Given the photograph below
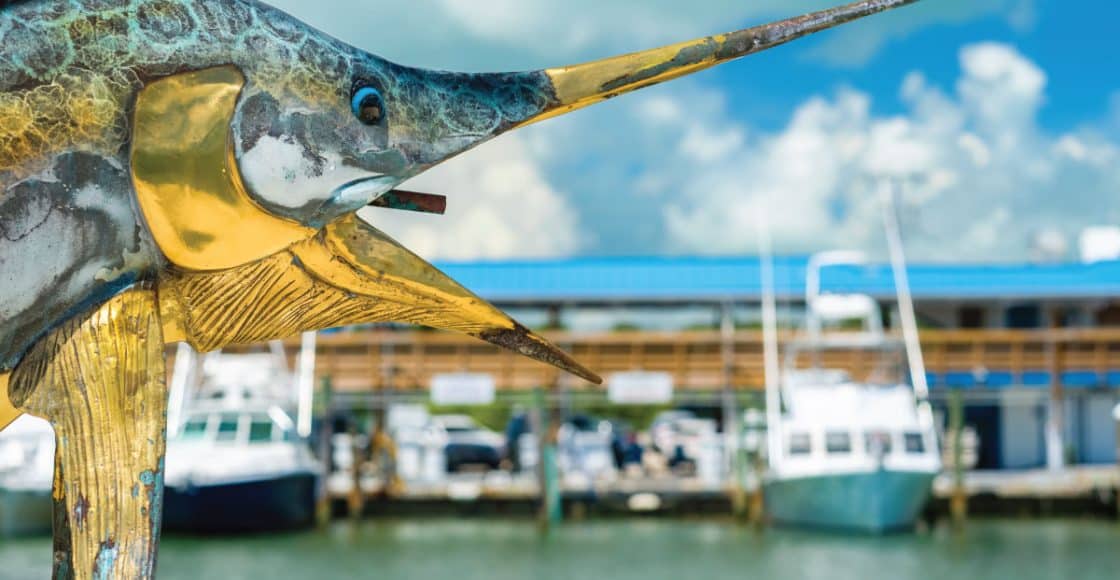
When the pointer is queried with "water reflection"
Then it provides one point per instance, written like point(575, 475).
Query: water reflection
point(627, 550)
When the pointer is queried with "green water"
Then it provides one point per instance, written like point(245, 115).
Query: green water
point(628, 549)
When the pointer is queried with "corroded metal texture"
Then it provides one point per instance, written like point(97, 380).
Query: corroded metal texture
point(99, 379)
point(412, 201)
point(317, 130)
point(69, 239)
point(213, 153)
point(586, 84)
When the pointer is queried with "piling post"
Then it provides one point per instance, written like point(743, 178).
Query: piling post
point(958, 500)
point(323, 509)
point(356, 500)
point(551, 509)
point(1055, 445)
point(731, 431)
point(1116, 492)
point(756, 509)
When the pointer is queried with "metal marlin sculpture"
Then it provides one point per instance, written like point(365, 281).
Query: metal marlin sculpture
point(189, 170)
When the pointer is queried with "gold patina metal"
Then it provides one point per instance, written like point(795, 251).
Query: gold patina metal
point(99, 379)
point(355, 257)
point(586, 84)
point(351, 273)
point(187, 180)
point(8, 411)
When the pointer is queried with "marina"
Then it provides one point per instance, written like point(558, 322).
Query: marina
point(742, 326)
point(461, 421)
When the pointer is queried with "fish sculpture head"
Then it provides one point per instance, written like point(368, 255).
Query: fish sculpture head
point(344, 127)
point(225, 148)
point(317, 155)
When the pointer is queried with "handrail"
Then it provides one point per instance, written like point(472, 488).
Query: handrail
point(406, 360)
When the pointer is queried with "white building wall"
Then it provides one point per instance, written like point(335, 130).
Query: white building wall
point(1096, 439)
point(1022, 425)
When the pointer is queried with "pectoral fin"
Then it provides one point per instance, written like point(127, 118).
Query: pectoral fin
point(187, 182)
point(8, 411)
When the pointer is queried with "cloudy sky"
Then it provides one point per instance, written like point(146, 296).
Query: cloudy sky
point(1002, 117)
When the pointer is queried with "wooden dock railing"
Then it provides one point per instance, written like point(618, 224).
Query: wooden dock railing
point(404, 361)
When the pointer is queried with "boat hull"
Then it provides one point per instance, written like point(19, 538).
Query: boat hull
point(265, 505)
point(25, 512)
point(871, 502)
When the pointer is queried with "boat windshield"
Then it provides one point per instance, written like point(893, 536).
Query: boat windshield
point(238, 427)
point(260, 430)
point(195, 429)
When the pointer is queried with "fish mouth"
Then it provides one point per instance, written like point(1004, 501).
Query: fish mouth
point(352, 196)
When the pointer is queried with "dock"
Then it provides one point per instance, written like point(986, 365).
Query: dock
point(1078, 491)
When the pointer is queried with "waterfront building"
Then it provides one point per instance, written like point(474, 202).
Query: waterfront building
point(1034, 348)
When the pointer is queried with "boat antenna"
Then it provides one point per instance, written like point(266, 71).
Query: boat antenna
point(772, 368)
point(888, 189)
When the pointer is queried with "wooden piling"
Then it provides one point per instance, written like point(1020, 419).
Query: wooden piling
point(958, 501)
point(356, 502)
point(551, 512)
point(323, 508)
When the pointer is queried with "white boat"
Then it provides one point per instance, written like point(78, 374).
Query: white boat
point(26, 477)
point(854, 455)
point(843, 453)
point(235, 463)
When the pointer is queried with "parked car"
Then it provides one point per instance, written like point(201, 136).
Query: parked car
point(585, 446)
point(663, 431)
point(470, 446)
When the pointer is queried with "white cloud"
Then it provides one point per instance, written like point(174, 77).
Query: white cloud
point(985, 176)
point(674, 170)
point(499, 206)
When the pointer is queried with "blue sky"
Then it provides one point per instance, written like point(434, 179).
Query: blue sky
point(1003, 116)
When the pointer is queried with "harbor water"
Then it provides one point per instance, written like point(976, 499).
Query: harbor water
point(626, 549)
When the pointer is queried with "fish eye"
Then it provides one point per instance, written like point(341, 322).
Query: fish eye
point(368, 106)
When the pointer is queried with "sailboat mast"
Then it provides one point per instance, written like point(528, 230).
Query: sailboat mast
point(180, 385)
point(770, 342)
point(887, 191)
point(305, 384)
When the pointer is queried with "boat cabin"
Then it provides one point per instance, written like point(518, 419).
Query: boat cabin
point(238, 427)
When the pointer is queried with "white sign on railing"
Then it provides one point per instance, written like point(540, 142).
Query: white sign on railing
point(463, 389)
point(640, 388)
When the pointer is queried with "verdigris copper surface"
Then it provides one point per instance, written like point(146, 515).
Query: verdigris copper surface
point(189, 170)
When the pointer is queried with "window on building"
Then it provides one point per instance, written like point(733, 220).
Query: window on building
point(915, 443)
point(1024, 316)
point(1109, 315)
point(971, 317)
point(838, 442)
point(800, 444)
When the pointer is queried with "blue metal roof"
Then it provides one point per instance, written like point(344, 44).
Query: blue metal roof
point(704, 279)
